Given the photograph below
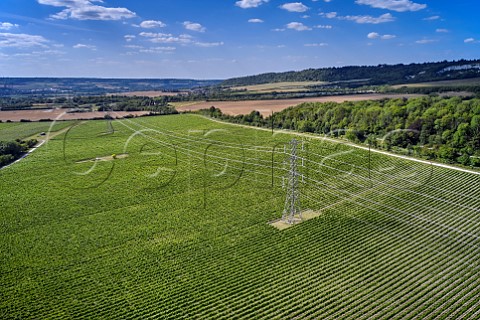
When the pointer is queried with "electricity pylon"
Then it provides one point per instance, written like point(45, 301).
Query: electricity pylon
point(291, 212)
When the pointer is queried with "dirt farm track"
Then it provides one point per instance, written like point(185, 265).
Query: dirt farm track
point(265, 107)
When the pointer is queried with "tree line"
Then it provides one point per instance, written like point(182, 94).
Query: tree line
point(13, 150)
point(443, 129)
point(102, 103)
point(372, 75)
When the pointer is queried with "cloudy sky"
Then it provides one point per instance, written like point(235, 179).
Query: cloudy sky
point(214, 39)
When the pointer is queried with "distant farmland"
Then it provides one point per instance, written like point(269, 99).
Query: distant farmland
point(445, 83)
point(280, 87)
point(266, 107)
point(61, 114)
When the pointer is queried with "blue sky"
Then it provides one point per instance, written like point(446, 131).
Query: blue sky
point(226, 38)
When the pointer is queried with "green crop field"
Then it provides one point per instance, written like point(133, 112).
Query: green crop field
point(177, 228)
point(444, 83)
point(280, 87)
point(22, 130)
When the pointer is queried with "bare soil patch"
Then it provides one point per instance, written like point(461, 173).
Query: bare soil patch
point(106, 158)
point(61, 114)
point(306, 215)
point(266, 107)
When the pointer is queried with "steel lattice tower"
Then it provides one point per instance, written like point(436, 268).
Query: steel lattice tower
point(291, 212)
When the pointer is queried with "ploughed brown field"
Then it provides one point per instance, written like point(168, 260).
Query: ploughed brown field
point(60, 114)
point(265, 107)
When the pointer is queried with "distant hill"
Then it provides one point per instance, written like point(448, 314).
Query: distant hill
point(92, 86)
point(370, 75)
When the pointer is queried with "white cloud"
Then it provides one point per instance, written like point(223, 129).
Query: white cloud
point(442, 30)
point(130, 46)
point(153, 35)
point(208, 44)
point(387, 17)
point(52, 52)
point(86, 10)
point(245, 4)
point(84, 46)
point(129, 37)
point(432, 18)
point(297, 26)
point(158, 50)
point(192, 26)
point(150, 24)
point(278, 29)
point(255, 21)
point(65, 3)
point(394, 5)
point(294, 7)
point(7, 25)
point(425, 41)
point(329, 15)
point(469, 40)
point(21, 40)
point(183, 39)
point(375, 35)
point(316, 44)
point(388, 36)
point(320, 26)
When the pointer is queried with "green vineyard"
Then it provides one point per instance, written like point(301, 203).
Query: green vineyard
point(168, 218)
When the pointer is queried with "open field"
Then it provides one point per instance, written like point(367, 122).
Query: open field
point(183, 104)
point(446, 83)
point(266, 107)
point(24, 130)
point(279, 87)
point(61, 114)
point(179, 228)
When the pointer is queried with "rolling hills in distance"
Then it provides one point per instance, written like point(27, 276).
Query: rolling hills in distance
point(382, 74)
point(93, 86)
point(309, 80)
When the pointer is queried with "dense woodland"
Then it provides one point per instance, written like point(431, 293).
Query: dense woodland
point(371, 75)
point(13, 150)
point(445, 129)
